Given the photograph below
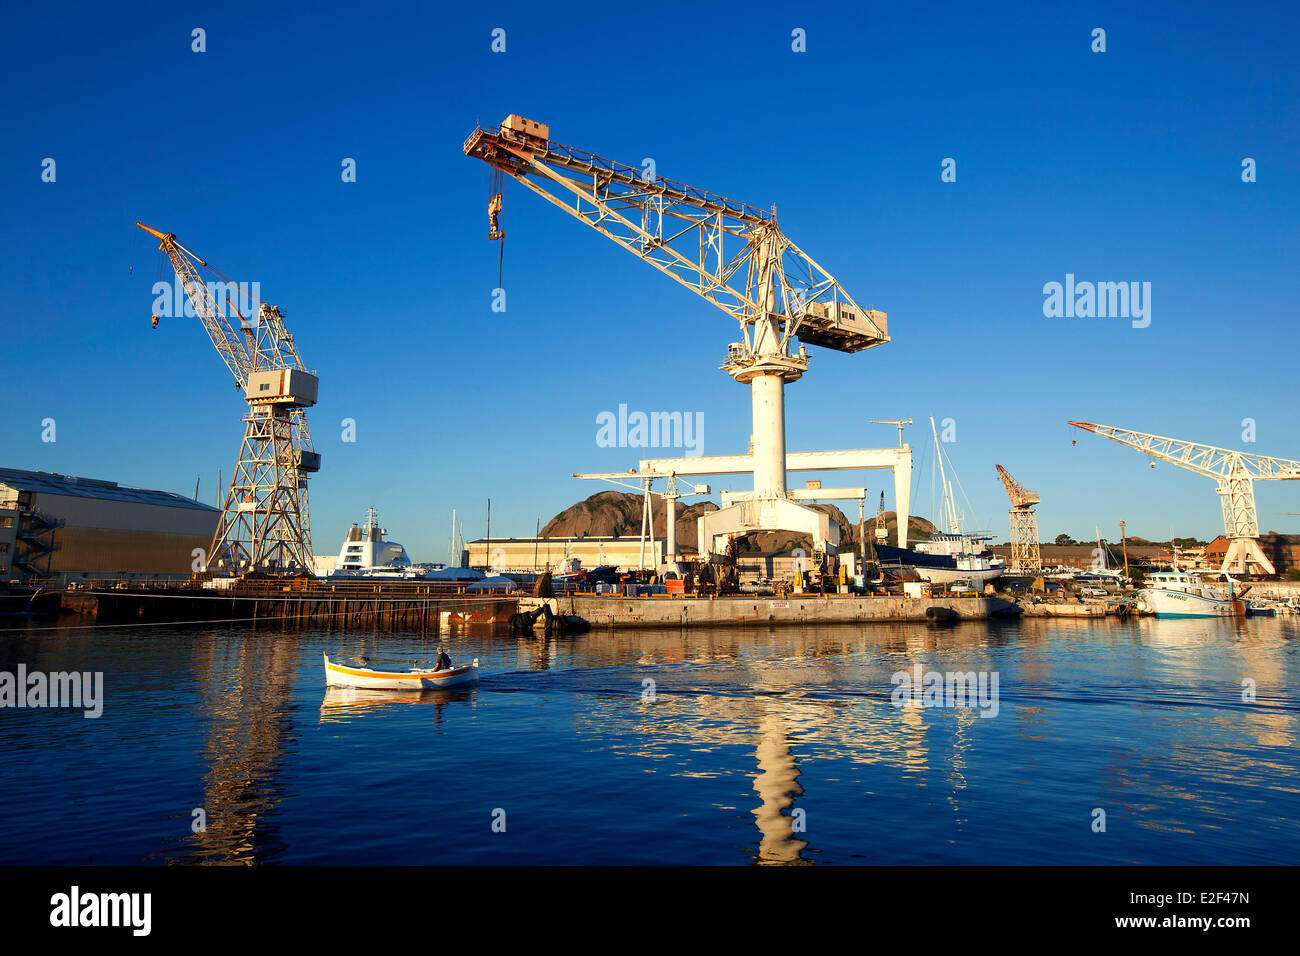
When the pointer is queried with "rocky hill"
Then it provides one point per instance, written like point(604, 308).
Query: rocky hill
point(618, 514)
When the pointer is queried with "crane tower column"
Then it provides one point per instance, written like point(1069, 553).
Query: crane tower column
point(769, 436)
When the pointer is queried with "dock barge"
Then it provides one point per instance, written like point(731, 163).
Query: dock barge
point(314, 602)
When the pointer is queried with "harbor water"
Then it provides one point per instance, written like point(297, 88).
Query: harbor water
point(1113, 741)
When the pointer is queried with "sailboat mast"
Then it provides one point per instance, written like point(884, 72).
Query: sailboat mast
point(949, 507)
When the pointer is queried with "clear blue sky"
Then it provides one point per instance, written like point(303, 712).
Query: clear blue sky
point(1124, 165)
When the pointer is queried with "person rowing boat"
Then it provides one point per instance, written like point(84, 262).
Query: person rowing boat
point(443, 662)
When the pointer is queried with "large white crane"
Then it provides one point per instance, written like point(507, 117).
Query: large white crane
point(265, 521)
point(1234, 474)
point(736, 257)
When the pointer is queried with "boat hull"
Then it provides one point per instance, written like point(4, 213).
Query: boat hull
point(341, 675)
point(948, 575)
point(941, 568)
point(1170, 603)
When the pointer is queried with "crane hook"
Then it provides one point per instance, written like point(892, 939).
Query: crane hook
point(494, 210)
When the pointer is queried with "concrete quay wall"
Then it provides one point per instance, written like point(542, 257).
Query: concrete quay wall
point(613, 611)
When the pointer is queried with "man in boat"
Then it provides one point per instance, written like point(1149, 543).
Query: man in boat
point(443, 663)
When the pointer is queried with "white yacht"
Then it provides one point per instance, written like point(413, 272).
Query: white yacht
point(367, 554)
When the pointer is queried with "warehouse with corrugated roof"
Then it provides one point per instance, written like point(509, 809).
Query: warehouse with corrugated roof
point(62, 526)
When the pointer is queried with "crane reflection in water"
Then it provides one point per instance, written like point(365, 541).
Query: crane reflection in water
point(245, 682)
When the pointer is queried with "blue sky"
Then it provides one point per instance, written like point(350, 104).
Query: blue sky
point(1115, 166)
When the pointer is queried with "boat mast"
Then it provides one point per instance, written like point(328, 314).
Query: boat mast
point(949, 506)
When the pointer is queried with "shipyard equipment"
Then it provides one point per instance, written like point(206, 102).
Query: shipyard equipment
point(1026, 554)
point(264, 522)
point(1234, 474)
point(736, 257)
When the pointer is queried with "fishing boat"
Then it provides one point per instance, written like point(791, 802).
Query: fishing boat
point(1186, 594)
point(364, 675)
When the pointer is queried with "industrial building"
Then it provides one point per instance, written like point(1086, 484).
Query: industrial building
point(70, 528)
point(541, 554)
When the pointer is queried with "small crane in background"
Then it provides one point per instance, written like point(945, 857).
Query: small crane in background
point(1026, 553)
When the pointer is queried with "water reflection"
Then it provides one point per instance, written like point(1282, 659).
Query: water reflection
point(1156, 701)
point(246, 683)
point(790, 731)
point(347, 704)
point(777, 784)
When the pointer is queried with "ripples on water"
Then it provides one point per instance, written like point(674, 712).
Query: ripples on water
point(709, 746)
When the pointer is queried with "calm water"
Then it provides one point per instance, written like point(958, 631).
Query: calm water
point(778, 746)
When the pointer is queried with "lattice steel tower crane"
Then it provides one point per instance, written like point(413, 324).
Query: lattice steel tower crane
point(1026, 554)
point(264, 522)
point(1234, 474)
point(735, 256)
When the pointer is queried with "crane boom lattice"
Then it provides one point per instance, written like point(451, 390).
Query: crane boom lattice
point(726, 251)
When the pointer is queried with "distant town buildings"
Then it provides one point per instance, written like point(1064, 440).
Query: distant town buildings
point(1084, 556)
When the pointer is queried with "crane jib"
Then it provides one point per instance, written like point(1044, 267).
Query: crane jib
point(730, 253)
point(516, 160)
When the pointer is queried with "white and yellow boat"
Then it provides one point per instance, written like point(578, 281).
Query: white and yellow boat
point(366, 676)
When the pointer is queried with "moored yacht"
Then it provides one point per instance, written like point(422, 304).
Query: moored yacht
point(366, 553)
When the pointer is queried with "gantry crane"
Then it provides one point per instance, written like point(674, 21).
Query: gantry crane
point(1234, 473)
point(1026, 554)
point(264, 522)
point(736, 257)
